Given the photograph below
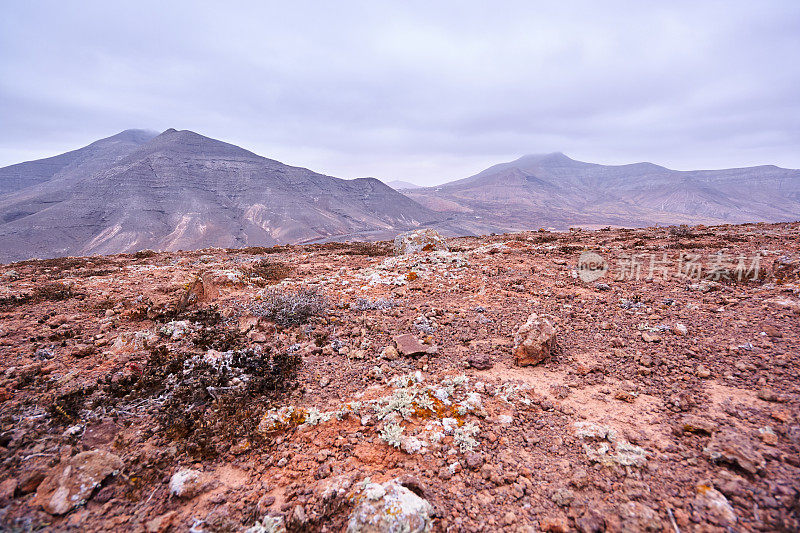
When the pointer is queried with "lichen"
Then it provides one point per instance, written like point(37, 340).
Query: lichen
point(391, 434)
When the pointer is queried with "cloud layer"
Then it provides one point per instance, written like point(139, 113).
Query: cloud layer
point(421, 91)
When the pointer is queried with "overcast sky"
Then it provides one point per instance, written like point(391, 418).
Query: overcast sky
point(420, 91)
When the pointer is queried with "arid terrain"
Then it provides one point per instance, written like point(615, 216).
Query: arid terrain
point(474, 385)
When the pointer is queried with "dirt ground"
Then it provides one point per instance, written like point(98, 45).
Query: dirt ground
point(207, 390)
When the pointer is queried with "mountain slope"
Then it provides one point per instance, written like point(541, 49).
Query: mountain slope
point(76, 163)
point(181, 190)
point(554, 190)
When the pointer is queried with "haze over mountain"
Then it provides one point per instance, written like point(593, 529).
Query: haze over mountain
point(552, 190)
point(181, 190)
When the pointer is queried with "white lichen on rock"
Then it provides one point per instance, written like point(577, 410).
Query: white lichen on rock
point(389, 507)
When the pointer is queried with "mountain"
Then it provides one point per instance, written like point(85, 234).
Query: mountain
point(181, 190)
point(399, 185)
point(552, 190)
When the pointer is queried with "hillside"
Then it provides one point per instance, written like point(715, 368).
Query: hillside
point(552, 190)
point(181, 190)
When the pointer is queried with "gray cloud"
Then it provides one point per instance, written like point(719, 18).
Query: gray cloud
point(422, 91)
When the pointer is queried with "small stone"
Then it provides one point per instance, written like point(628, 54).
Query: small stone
point(324, 381)
point(554, 524)
point(7, 489)
point(769, 395)
point(636, 516)
point(768, 436)
point(409, 345)
point(161, 523)
point(72, 482)
point(563, 497)
point(650, 337)
point(735, 449)
point(715, 507)
point(390, 507)
point(474, 460)
point(703, 372)
point(681, 329)
point(698, 425)
point(390, 353)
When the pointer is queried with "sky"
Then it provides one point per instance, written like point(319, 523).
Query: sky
point(425, 92)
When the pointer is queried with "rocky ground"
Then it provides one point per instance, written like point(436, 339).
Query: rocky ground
point(474, 385)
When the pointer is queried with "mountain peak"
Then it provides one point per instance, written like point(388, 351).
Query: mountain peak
point(552, 157)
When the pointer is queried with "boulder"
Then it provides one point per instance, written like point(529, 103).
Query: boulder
point(534, 341)
point(421, 240)
point(389, 507)
point(72, 482)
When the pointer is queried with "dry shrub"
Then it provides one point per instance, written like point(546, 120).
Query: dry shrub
point(265, 272)
point(289, 307)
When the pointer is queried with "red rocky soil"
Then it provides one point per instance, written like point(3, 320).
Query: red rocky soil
point(206, 390)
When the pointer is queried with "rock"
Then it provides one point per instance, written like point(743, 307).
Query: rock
point(714, 506)
point(554, 524)
point(650, 337)
point(703, 372)
point(324, 381)
point(681, 329)
point(563, 497)
point(480, 361)
point(389, 507)
point(185, 483)
point(771, 396)
point(30, 481)
point(474, 460)
point(161, 523)
point(592, 521)
point(390, 353)
point(7, 490)
point(768, 436)
point(785, 269)
point(82, 350)
point(695, 424)
point(72, 482)
point(735, 449)
point(421, 240)
point(636, 516)
point(409, 345)
point(99, 434)
point(534, 341)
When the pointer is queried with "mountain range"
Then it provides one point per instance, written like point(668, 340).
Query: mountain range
point(180, 190)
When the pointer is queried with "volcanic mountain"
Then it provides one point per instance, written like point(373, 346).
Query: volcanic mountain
point(552, 190)
point(181, 190)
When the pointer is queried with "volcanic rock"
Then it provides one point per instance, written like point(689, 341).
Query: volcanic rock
point(534, 341)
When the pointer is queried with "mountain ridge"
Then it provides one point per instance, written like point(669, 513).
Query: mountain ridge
point(184, 190)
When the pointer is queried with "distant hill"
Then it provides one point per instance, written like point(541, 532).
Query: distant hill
point(553, 190)
point(399, 185)
point(181, 190)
